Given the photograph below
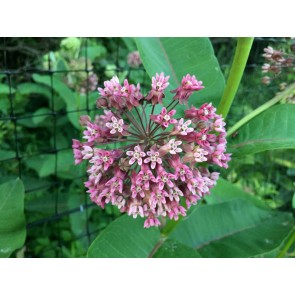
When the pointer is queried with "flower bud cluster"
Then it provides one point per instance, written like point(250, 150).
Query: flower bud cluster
point(276, 62)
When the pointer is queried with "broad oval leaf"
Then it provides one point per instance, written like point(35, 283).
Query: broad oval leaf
point(233, 229)
point(174, 249)
point(12, 218)
point(272, 129)
point(44, 165)
point(225, 191)
point(63, 91)
point(76, 104)
point(41, 116)
point(29, 88)
point(180, 56)
point(5, 89)
point(125, 238)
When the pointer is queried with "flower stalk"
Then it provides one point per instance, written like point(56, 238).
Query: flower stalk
point(236, 72)
point(279, 96)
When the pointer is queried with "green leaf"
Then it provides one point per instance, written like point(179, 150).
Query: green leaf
point(125, 237)
point(12, 218)
point(94, 52)
point(272, 129)
point(34, 183)
point(233, 229)
point(29, 88)
point(4, 105)
point(4, 154)
point(78, 220)
point(45, 165)
point(76, 103)
point(4, 89)
point(225, 191)
point(130, 43)
point(180, 56)
point(62, 90)
point(174, 249)
point(41, 115)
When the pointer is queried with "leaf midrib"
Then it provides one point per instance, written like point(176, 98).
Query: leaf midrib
point(7, 196)
point(168, 60)
point(245, 143)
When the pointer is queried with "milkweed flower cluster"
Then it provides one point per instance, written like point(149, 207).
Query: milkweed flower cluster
point(133, 59)
point(145, 159)
point(277, 61)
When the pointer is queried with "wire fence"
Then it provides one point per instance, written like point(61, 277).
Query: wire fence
point(52, 215)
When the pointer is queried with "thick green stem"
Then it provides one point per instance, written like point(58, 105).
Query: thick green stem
point(236, 72)
point(288, 244)
point(281, 95)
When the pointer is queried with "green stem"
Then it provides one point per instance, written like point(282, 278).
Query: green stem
point(236, 72)
point(170, 226)
point(281, 95)
point(289, 243)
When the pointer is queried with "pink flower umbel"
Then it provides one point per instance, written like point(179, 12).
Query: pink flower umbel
point(133, 59)
point(159, 162)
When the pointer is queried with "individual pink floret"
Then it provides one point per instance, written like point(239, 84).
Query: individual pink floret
point(164, 118)
point(136, 155)
point(153, 157)
point(182, 127)
point(159, 84)
point(116, 126)
point(189, 84)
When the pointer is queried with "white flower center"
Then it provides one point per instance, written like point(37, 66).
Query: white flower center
point(165, 178)
point(204, 137)
point(166, 117)
point(153, 158)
